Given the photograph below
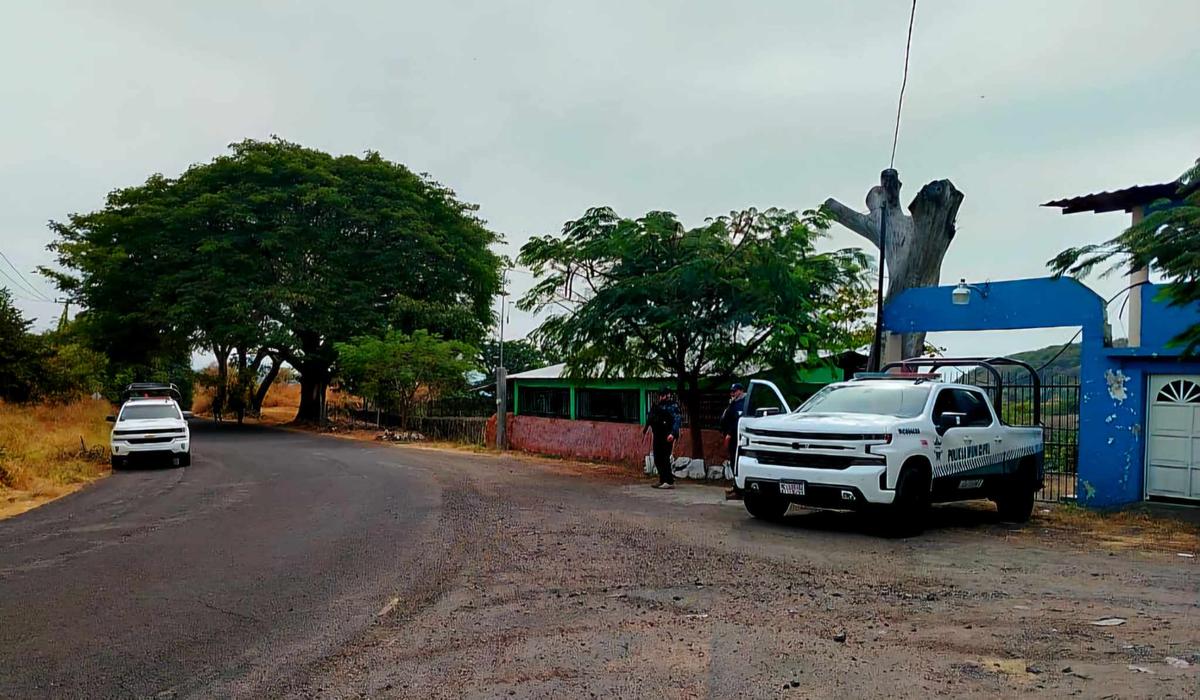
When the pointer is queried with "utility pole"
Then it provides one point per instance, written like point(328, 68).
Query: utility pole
point(890, 181)
point(501, 375)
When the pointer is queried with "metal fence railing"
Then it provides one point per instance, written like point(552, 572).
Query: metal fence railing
point(712, 405)
point(471, 430)
point(1060, 423)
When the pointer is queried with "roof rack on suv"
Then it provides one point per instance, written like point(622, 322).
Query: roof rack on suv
point(151, 390)
point(988, 364)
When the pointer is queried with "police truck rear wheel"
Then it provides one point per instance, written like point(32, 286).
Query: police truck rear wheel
point(764, 507)
point(1015, 503)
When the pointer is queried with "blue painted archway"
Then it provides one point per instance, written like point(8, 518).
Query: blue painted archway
point(1110, 410)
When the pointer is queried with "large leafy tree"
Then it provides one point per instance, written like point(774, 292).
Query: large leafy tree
point(650, 296)
point(1167, 239)
point(397, 370)
point(278, 251)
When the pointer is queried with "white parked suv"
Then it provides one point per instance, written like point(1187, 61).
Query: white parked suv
point(899, 440)
point(151, 426)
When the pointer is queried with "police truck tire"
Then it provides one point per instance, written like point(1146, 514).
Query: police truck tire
point(185, 459)
point(911, 507)
point(1016, 506)
point(1015, 503)
point(770, 508)
point(117, 462)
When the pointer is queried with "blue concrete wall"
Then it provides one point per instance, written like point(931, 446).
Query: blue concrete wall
point(1112, 410)
point(1161, 323)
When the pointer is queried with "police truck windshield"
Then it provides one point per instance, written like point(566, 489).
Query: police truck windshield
point(900, 400)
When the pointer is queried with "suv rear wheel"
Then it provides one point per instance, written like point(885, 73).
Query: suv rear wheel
point(764, 507)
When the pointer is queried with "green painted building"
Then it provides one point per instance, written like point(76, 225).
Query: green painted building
point(547, 393)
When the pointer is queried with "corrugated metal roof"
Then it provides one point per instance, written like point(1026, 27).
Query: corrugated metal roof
point(551, 372)
point(1125, 199)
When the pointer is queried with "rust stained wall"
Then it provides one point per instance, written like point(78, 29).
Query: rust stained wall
point(621, 443)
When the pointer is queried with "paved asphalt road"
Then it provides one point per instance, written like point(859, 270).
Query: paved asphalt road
point(270, 550)
point(283, 564)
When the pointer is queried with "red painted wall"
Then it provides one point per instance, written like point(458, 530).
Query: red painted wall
point(621, 443)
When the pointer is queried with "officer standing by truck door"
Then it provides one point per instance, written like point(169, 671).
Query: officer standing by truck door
point(664, 421)
point(729, 429)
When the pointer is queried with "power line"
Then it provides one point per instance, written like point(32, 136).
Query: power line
point(17, 289)
point(904, 83)
point(28, 286)
point(1080, 331)
point(21, 297)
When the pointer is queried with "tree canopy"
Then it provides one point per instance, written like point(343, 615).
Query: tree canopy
point(396, 370)
point(277, 250)
point(519, 355)
point(1167, 239)
point(51, 365)
point(649, 296)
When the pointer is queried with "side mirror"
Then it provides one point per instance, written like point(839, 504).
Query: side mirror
point(950, 420)
point(188, 415)
point(764, 412)
point(111, 419)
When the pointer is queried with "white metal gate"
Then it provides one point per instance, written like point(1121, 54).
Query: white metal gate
point(1173, 436)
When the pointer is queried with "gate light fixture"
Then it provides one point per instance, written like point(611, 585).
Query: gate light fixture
point(961, 296)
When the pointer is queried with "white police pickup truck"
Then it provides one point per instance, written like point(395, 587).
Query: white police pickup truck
point(150, 424)
point(895, 440)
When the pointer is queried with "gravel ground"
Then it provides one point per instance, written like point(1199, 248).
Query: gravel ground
point(294, 565)
point(556, 580)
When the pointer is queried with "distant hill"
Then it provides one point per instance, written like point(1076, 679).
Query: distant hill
point(1065, 364)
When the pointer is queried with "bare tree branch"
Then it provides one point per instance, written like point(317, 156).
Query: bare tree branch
point(855, 221)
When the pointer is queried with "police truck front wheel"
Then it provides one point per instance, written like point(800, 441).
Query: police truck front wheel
point(911, 507)
point(764, 507)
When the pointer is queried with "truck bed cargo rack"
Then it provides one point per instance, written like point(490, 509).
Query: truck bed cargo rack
point(988, 364)
point(149, 390)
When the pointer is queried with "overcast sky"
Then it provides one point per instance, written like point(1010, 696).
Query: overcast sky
point(538, 110)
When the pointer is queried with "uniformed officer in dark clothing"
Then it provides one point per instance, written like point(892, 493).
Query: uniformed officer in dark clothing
point(729, 428)
point(663, 421)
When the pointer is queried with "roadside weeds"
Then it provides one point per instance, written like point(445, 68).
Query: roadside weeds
point(50, 450)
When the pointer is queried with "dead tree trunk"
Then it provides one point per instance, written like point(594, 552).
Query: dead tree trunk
point(916, 243)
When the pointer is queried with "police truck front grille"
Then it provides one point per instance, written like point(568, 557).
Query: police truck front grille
point(790, 435)
point(151, 431)
point(808, 460)
point(148, 440)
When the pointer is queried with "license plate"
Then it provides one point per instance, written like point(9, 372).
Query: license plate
point(791, 488)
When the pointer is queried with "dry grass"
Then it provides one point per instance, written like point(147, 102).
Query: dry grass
point(49, 450)
point(280, 396)
point(1121, 530)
